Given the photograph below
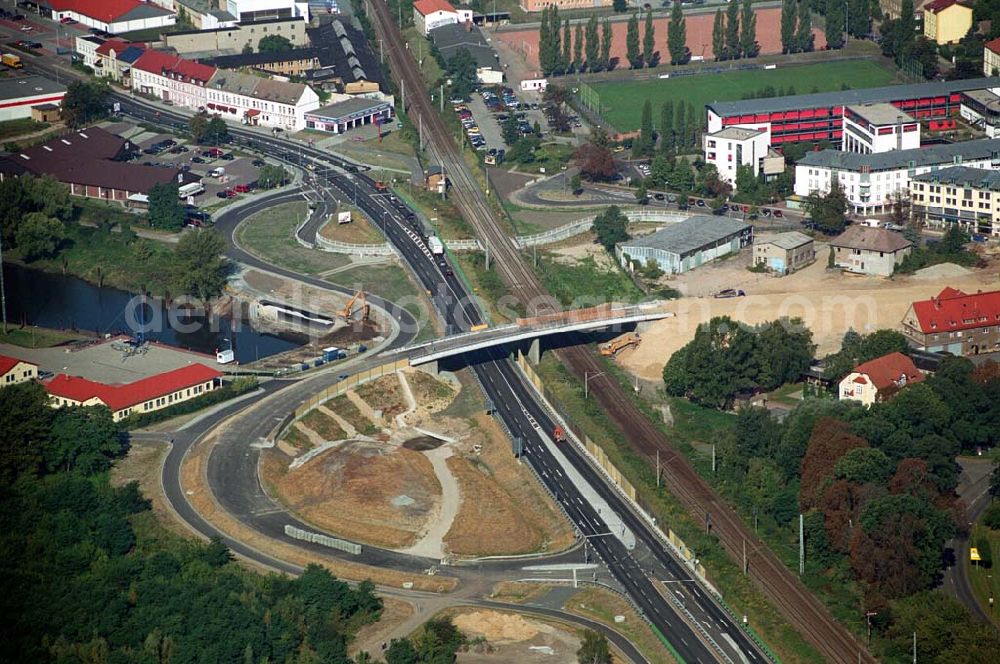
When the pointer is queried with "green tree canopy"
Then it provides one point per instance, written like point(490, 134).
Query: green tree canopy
point(274, 44)
point(677, 36)
point(271, 176)
point(594, 649)
point(829, 211)
point(632, 43)
point(166, 210)
point(200, 269)
point(611, 227)
point(748, 30)
point(85, 102)
point(39, 236)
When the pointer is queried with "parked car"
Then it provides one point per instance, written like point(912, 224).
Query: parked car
point(35, 45)
point(259, 163)
point(197, 160)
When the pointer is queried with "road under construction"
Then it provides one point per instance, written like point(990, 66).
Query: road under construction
point(798, 606)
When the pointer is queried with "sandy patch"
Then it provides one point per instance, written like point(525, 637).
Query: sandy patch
point(496, 626)
point(828, 301)
point(367, 492)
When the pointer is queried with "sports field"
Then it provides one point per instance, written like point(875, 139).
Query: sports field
point(621, 102)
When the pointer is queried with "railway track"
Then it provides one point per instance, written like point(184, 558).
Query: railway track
point(798, 606)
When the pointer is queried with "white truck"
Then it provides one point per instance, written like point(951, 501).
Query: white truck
point(435, 245)
point(190, 189)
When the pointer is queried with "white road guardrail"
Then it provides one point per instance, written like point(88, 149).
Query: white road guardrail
point(522, 241)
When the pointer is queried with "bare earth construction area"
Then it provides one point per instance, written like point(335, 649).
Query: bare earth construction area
point(395, 464)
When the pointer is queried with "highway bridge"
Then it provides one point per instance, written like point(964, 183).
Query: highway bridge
point(533, 329)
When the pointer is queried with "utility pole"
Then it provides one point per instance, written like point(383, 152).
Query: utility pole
point(442, 97)
point(381, 54)
point(744, 556)
point(914, 648)
point(421, 121)
point(402, 92)
point(487, 255)
point(713, 458)
point(657, 469)
point(802, 545)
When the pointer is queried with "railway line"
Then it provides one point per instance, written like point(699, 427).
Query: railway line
point(796, 603)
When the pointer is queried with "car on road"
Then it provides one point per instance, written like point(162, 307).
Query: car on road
point(26, 28)
point(889, 226)
point(658, 196)
point(227, 157)
point(700, 203)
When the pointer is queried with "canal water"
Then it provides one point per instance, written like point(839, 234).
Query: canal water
point(62, 302)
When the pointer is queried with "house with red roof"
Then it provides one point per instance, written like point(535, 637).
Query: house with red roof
point(879, 379)
point(171, 78)
point(114, 16)
point(142, 396)
point(14, 371)
point(430, 14)
point(955, 322)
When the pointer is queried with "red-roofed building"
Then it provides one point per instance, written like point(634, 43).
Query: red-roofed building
point(14, 371)
point(142, 396)
point(955, 322)
point(172, 78)
point(114, 16)
point(991, 57)
point(430, 14)
point(114, 58)
point(879, 379)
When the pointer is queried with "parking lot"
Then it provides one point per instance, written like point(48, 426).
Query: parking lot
point(223, 172)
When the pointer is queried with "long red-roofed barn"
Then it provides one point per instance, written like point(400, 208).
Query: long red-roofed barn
point(142, 396)
point(955, 322)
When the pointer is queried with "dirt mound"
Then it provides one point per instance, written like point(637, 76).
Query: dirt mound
point(354, 491)
point(495, 626)
point(422, 443)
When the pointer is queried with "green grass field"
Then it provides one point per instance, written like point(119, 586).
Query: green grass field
point(622, 102)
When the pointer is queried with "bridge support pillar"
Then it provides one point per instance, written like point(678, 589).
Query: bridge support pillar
point(535, 351)
point(429, 367)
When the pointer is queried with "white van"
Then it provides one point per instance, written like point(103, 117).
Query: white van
point(871, 223)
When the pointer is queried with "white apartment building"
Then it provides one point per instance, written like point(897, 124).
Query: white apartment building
point(260, 101)
point(869, 180)
point(961, 195)
point(430, 14)
point(171, 78)
point(245, 11)
point(881, 127)
point(732, 147)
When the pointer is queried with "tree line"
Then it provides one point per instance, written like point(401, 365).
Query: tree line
point(88, 579)
point(796, 27)
point(876, 486)
point(734, 32)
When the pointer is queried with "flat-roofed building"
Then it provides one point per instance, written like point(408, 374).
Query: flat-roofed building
point(871, 181)
point(348, 113)
point(687, 244)
point(784, 253)
point(732, 147)
point(18, 95)
point(878, 127)
point(969, 197)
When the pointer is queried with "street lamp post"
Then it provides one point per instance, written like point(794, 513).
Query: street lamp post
point(587, 375)
point(868, 619)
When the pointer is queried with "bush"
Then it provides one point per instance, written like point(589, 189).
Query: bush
point(991, 517)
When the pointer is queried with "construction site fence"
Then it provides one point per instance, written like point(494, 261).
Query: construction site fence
point(352, 381)
point(575, 316)
point(324, 540)
point(600, 457)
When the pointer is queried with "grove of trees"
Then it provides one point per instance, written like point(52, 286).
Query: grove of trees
point(89, 578)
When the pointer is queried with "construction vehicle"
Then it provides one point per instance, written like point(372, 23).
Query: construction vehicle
point(11, 60)
point(349, 310)
point(558, 435)
point(611, 348)
point(380, 186)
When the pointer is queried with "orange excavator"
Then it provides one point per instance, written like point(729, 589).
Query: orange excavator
point(356, 304)
point(612, 347)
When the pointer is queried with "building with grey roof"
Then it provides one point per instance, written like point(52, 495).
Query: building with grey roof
point(451, 38)
point(959, 195)
point(784, 253)
point(349, 113)
point(687, 244)
point(870, 181)
point(819, 116)
point(20, 94)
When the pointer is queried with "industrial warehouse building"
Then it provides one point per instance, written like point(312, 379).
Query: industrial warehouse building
point(114, 16)
point(19, 95)
point(688, 244)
